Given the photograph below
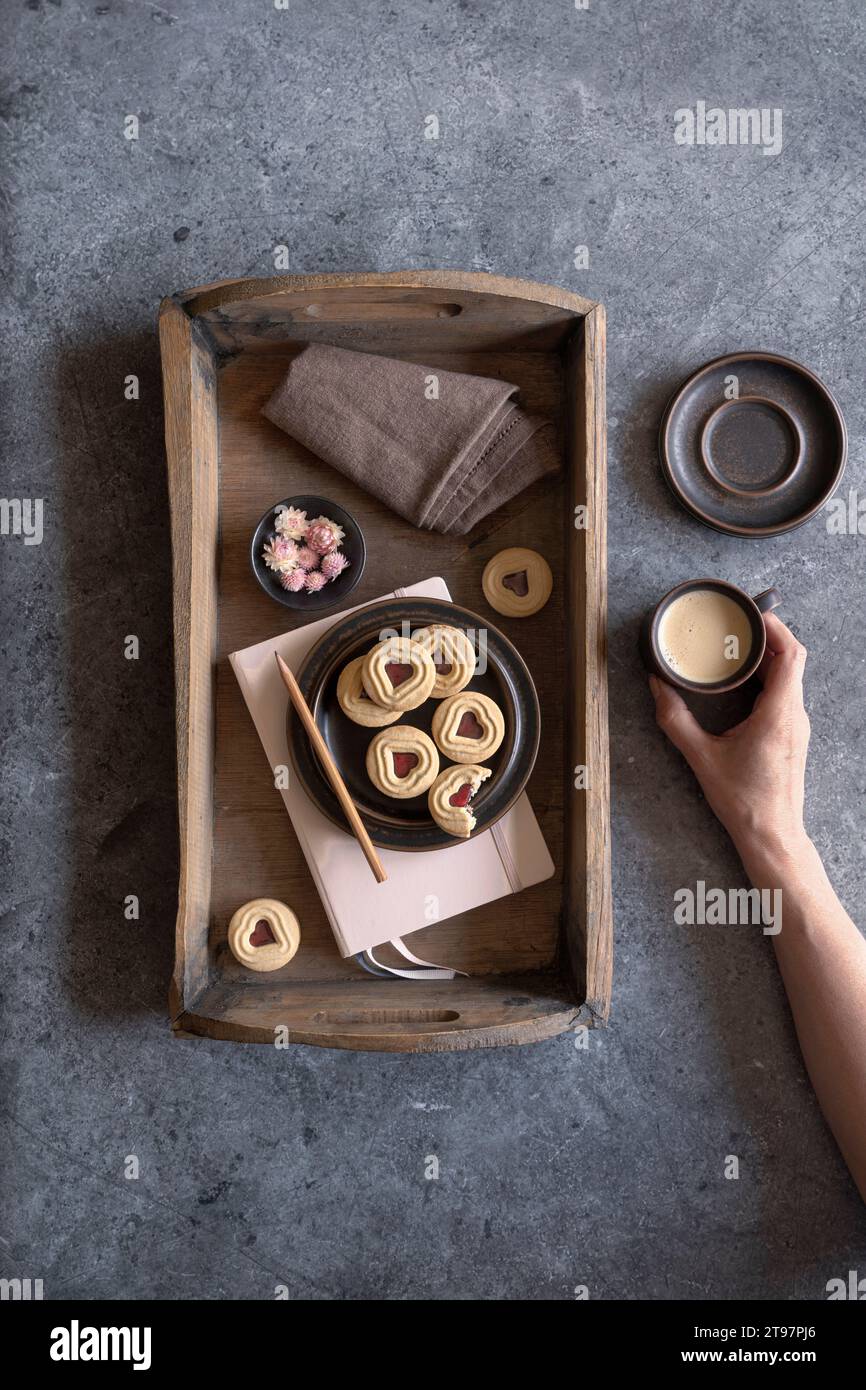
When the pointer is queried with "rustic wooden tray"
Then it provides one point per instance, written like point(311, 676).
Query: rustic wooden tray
point(539, 961)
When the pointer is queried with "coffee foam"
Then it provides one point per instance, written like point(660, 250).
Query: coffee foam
point(705, 636)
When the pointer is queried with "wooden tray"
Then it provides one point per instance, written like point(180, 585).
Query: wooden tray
point(540, 961)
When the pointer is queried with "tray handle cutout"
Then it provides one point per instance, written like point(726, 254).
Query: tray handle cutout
point(346, 311)
point(387, 1016)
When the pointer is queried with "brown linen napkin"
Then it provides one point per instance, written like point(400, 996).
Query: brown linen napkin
point(441, 463)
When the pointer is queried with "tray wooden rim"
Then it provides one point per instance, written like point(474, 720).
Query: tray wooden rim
point(217, 294)
point(190, 357)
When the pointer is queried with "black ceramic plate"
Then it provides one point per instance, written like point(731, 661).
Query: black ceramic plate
point(406, 825)
point(761, 463)
point(352, 546)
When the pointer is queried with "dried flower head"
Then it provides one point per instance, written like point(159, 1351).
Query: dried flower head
point(323, 535)
point(307, 558)
point(314, 581)
point(334, 564)
point(291, 522)
point(280, 553)
point(293, 580)
point(338, 531)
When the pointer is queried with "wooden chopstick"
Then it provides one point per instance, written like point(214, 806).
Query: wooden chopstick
point(332, 771)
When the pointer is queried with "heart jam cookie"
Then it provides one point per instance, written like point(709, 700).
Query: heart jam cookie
point(398, 674)
point(402, 761)
point(264, 934)
point(356, 703)
point(517, 582)
point(468, 727)
point(452, 654)
point(449, 797)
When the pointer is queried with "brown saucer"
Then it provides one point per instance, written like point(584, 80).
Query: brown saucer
point(761, 463)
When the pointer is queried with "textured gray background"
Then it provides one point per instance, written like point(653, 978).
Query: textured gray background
point(304, 127)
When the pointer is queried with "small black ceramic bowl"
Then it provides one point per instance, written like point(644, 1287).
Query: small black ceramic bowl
point(352, 546)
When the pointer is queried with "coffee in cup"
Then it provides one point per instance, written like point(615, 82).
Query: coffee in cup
point(706, 635)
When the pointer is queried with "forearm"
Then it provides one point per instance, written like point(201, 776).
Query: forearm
point(822, 959)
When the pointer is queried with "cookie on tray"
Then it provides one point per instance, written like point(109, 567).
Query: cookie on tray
point(468, 727)
point(449, 797)
point(517, 582)
point(453, 656)
point(354, 701)
point(398, 674)
point(402, 761)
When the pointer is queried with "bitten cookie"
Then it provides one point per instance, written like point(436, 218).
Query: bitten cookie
point(450, 795)
point(517, 582)
point(356, 703)
point(264, 934)
point(468, 727)
point(398, 674)
point(402, 761)
point(452, 654)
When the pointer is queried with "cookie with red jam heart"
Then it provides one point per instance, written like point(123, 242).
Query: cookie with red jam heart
point(264, 934)
point(468, 727)
point(449, 797)
point(402, 761)
point(453, 656)
point(398, 674)
point(356, 703)
point(517, 582)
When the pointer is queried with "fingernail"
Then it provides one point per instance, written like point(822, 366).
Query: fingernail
point(655, 686)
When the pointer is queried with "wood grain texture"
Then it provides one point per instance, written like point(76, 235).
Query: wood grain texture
point(368, 1015)
point(588, 906)
point(260, 465)
point(189, 385)
point(553, 938)
point(401, 312)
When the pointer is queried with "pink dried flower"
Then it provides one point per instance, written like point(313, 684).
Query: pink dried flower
point(334, 564)
point(322, 536)
point(338, 531)
point(293, 580)
point(314, 581)
point(291, 522)
point(280, 553)
point(307, 558)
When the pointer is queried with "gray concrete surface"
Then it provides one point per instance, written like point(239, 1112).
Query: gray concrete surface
point(305, 127)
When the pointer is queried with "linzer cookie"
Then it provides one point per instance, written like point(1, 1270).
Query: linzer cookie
point(398, 674)
point(264, 934)
point(449, 797)
point(452, 654)
point(356, 703)
point(517, 582)
point(402, 761)
point(468, 727)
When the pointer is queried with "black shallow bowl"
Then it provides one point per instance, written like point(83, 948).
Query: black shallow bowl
point(760, 464)
point(407, 825)
point(352, 546)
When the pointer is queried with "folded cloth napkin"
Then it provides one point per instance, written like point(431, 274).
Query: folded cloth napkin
point(442, 449)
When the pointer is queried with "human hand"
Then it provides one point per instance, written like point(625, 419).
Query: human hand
point(752, 775)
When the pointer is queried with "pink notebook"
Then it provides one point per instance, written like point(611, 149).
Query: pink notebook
point(422, 887)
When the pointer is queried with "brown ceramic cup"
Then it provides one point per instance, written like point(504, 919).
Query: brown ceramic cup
point(754, 608)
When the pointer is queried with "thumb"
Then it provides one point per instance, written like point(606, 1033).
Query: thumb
point(675, 719)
